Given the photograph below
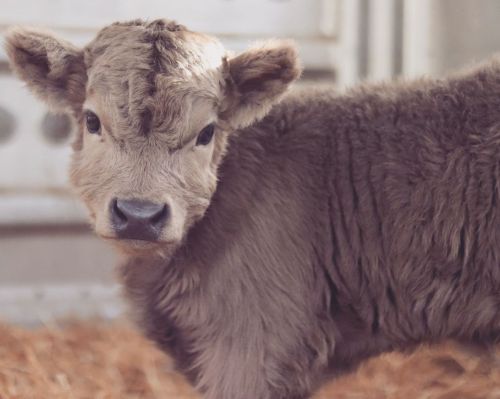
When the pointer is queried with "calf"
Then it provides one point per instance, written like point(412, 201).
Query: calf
point(271, 244)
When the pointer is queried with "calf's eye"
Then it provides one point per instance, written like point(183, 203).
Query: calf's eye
point(205, 136)
point(93, 123)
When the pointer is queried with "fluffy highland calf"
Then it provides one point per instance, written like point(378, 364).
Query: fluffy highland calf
point(271, 244)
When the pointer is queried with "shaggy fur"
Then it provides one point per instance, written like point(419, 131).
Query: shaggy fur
point(341, 226)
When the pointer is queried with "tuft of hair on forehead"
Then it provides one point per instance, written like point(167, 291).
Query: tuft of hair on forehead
point(156, 25)
point(137, 39)
point(129, 60)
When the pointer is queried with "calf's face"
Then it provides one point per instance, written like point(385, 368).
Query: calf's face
point(154, 104)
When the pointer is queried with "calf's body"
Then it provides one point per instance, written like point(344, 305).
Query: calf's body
point(273, 244)
point(342, 226)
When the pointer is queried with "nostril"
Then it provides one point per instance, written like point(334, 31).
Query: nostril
point(118, 214)
point(160, 216)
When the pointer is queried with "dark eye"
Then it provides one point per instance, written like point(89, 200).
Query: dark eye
point(93, 123)
point(205, 136)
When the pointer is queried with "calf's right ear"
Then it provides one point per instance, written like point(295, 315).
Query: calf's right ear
point(53, 69)
point(256, 79)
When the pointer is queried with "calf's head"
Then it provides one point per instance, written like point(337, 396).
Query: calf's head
point(154, 104)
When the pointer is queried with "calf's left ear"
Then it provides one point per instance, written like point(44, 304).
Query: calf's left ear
point(52, 68)
point(256, 79)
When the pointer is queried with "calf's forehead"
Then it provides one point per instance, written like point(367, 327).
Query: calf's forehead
point(147, 77)
point(121, 49)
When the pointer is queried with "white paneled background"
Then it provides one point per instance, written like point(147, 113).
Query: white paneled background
point(50, 264)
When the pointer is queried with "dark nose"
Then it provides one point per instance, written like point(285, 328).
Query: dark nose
point(137, 219)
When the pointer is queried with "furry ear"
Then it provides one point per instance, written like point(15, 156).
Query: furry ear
point(52, 68)
point(256, 79)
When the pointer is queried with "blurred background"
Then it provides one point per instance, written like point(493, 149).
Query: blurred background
point(51, 265)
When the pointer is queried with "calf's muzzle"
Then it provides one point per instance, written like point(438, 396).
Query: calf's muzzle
point(138, 219)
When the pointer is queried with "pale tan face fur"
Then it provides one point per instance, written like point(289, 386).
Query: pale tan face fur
point(153, 87)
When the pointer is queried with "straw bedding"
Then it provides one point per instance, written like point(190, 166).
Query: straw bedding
point(98, 360)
